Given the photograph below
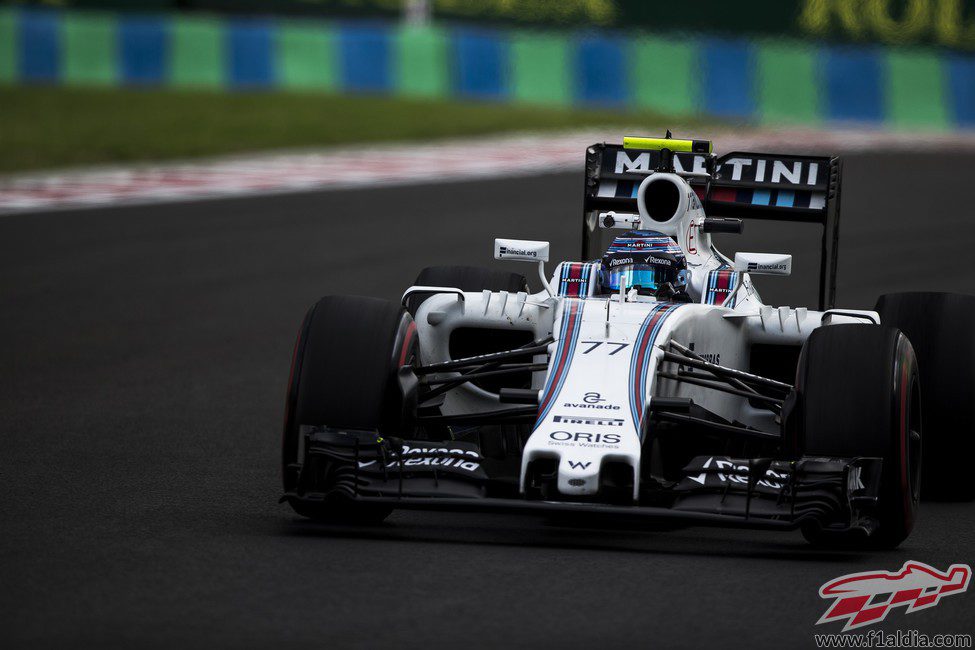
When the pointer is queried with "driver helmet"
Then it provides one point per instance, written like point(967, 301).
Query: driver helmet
point(645, 259)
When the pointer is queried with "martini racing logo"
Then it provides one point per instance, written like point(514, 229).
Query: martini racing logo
point(769, 169)
point(642, 162)
point(866, 598)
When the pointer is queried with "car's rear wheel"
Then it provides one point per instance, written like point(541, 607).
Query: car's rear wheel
point(858, 395)
point(941, 327)
point(344, 375)
point(466, 278)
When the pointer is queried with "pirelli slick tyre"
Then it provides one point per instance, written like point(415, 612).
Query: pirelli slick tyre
point(941, 327)
point(858, 394)
point(344, 375)
point(466, 278)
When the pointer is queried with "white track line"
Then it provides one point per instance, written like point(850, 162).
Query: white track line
point(399, 164)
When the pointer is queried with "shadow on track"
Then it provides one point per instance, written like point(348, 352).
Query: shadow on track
point(544, 533)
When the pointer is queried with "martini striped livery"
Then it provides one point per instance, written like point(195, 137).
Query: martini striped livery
point(640, 361)
point(568, 337)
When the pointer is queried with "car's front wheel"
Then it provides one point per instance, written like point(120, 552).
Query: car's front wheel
point(858, 395)
point(344, 375)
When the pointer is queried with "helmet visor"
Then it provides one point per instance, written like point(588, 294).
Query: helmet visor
point(633, 275)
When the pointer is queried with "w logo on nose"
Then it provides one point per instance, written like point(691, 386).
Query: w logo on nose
point(575, 464)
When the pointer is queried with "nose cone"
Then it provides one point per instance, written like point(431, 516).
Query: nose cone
point(578, 477)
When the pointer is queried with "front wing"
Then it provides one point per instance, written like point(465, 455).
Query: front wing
point(833, 493)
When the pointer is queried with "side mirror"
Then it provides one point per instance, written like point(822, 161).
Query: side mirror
point(521, 250)
point(764, 263)
point(525, 250)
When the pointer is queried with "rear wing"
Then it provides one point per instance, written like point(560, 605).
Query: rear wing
point(746, 185)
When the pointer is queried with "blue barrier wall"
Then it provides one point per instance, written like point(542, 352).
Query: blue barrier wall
point(759, 81)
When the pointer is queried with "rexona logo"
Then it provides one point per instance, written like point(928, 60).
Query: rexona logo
point(738, 475)
point(866, 598)
point(435, 457)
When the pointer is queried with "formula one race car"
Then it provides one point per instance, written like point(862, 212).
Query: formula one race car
point(648, 380)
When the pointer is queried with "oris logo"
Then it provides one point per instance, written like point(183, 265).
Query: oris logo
point(582, 436)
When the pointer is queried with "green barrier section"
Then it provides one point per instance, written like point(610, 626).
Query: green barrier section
point(665, 75)
point(915, 88)
point(8, 45)
point(796, 82)
point(196, 52)
point(786, 77)
point(540, 73)
point(88, 52)
point(306, 56)
point(421, 62)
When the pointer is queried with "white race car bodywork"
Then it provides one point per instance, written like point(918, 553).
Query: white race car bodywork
point(604, 363)
point(648, 381)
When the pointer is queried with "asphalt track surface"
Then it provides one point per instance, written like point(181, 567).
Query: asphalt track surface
point(143, 359)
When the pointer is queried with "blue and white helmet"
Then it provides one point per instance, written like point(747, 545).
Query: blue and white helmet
point(645, 259)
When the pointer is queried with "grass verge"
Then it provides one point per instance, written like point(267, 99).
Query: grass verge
point(61, 127)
